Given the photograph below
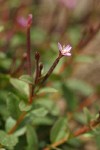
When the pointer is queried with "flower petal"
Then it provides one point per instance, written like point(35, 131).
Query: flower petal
point(68, 48)
point(67, 54)
point(59, 46)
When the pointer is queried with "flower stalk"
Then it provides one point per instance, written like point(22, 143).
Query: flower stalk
point(52, 68)
point(29, 70)
point(37, 57)
point(29, 22)
point(63, 51)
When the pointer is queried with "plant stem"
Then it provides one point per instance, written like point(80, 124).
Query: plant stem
point(79, 132)
point(21, 117)
point(40, 69)
point(88, 128)
point(51, 68)
point(28, 51)
point(29, 70)
point(37, 57)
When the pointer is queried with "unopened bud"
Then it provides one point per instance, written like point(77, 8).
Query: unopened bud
point(29, 21)
point(41, 66)
point(37, 56)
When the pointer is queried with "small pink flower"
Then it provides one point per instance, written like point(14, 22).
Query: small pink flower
point(65, 50)
point(22, 21)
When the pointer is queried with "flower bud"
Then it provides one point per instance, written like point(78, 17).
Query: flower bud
point(37, 55)
point(29, 21)
point(41, 66)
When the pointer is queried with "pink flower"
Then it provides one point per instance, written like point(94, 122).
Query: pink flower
point(64, 50)
point(22, 21)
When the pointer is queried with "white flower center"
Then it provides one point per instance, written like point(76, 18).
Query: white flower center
point(64, 51)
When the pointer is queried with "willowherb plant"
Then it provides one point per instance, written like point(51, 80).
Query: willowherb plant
point(27, 113)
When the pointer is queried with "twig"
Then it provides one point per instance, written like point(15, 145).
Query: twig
point(77, 133)
point(17, 123)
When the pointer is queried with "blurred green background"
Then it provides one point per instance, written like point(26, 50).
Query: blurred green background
point(77, 79)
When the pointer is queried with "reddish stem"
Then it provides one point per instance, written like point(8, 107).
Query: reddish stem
point(29, 22)
point(79, 132)
point(37, 57)
point(28, 52)
point(52, 68)
point(21, 117)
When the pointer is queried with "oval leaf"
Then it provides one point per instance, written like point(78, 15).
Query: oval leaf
point(24, 107)
point(8, 140)
point(88, 115)
point(40, 112)
point(12, 105)
point(60, 130)
point(49, 104)
point(21, 86)
point(26, 78)
point(47, 90)
point(32, 139)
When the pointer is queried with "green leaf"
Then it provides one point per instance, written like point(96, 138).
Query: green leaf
point(10, 122)
point(80, 86)
point(12, 105)
point(49, 104)
point(88, 115)
point(60, 130)
point(40, 112)
point(41, 120)
point(47, 90)
point(26, 78)
point(20, 131)
point(24, 107)
point(74, 143)
point(21, 86)
point(83, 59)
point(32, 139)
point(8, 140)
